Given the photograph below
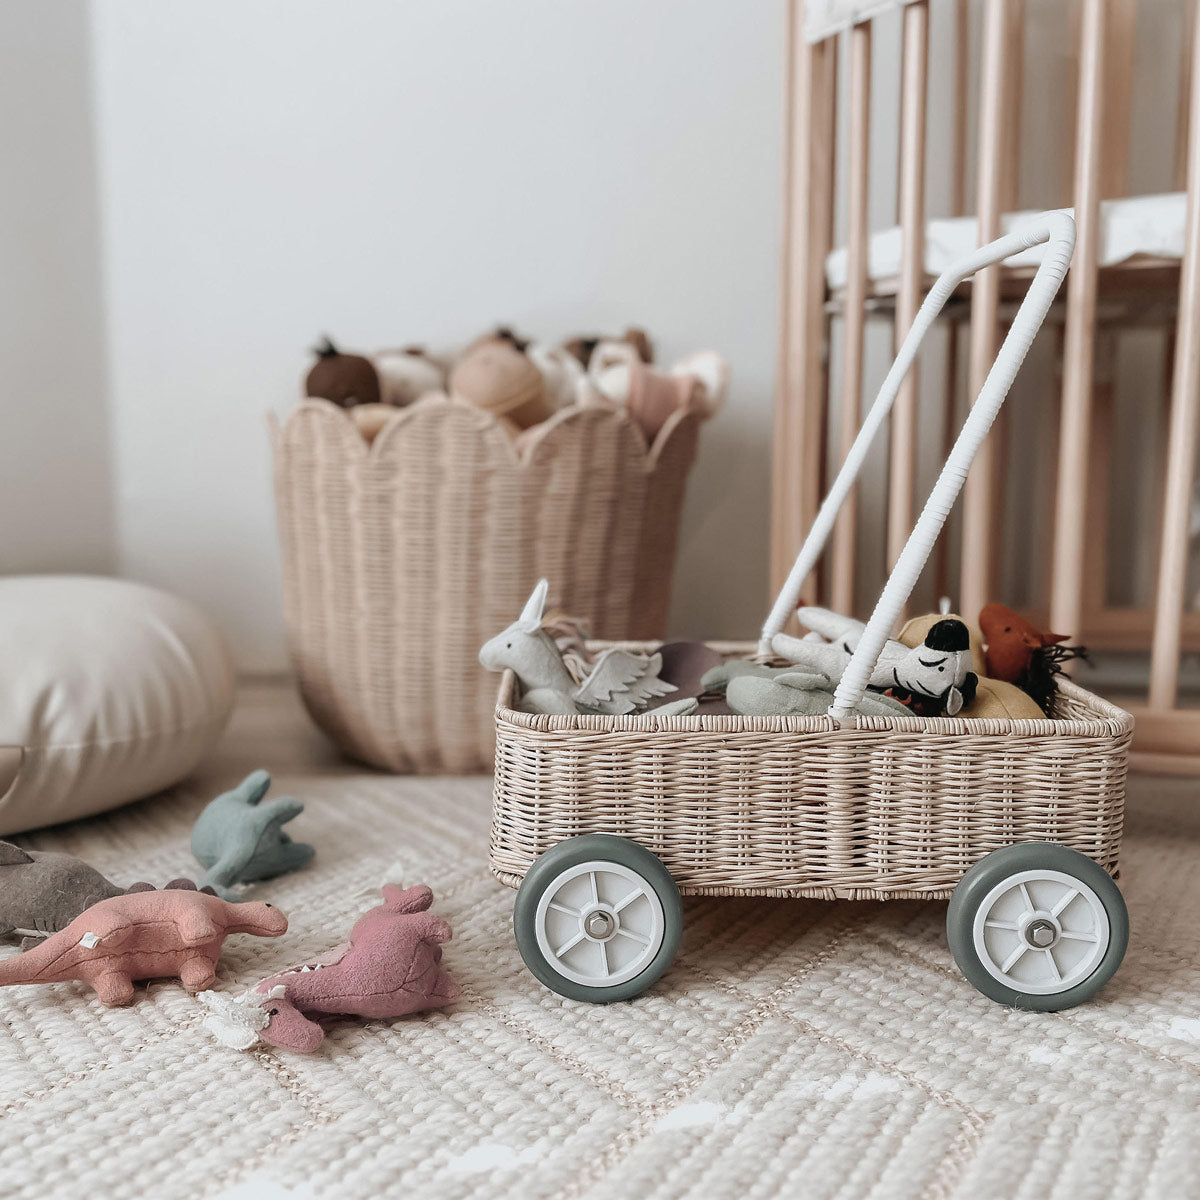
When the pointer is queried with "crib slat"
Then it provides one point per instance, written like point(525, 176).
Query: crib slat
point(1185, 424)
point(978, 541)
point(1072, 510)
point(913, 106)
point(808, 209)
point(859, 134)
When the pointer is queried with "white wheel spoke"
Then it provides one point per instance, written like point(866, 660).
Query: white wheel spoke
point(1029, 905)
point(562, 908)
point(1011, 961)
point(627, 900)
point(568, 944)
point(595, 888)
point(633, 936)
point(1071, 894)
point(604, 958)
point(1079, 937)
point(1002, 925)
point(1053, 965)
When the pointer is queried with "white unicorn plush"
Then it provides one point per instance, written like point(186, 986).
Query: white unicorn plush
point(617, 684)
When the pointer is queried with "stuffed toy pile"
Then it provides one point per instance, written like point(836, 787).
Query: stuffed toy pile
point(522, 383)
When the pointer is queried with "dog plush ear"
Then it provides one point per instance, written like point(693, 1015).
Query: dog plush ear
point(12, 856)
point(954, 701)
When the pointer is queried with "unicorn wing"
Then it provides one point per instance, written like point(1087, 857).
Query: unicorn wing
point(621, 682)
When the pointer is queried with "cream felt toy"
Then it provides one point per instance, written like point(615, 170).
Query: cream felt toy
point(932, 678)
point(562, 374)
point(142, 934)
point(390, 967)
point(618, 682)
point(407, 375)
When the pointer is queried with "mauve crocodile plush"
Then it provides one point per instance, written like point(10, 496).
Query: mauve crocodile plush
point(390, 967)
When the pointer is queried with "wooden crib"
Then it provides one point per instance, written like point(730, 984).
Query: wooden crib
point(961, 134)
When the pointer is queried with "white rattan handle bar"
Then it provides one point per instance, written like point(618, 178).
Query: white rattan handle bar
point(1056, 228)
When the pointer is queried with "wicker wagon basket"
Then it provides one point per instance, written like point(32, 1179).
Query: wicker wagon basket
point(1019, 821)
point(890, 808)
point(400, 558)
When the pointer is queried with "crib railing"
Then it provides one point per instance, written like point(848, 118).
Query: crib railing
point(825, 179)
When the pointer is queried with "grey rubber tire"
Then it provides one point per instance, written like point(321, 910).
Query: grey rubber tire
point(596, 847)
point(990, 872)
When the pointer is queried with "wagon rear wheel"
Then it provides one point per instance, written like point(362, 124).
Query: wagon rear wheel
point(1037, 926)
point(598, 918)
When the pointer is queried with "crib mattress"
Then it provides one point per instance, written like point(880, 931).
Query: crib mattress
point(1130, 227)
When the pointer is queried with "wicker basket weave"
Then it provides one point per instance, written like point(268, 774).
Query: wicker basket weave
point(794, 806)
point(402, 557)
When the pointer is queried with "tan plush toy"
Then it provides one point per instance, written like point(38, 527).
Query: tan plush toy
point(407, 375)
point(499, 378)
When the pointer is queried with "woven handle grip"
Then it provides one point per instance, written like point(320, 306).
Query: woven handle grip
point(1056, 228)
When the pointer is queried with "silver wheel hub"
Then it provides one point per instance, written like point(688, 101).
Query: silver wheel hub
point(1041, 932)
point(599, 924)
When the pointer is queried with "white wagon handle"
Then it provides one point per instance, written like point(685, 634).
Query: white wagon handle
point(1056, 228)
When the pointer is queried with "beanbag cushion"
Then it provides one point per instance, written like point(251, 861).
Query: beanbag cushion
point(112, 691)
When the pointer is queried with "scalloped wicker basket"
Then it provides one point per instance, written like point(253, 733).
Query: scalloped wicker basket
point(401, 558)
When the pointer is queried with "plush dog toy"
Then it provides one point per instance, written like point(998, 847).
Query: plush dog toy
point(42, 892)
point(143, 934)
point(390, 967)
point(931, 679)
point(241, 840)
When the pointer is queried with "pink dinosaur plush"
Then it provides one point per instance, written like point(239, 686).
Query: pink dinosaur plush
point(143, 934)
point(391, 966)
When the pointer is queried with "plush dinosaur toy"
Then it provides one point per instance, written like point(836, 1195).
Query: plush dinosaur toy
point(759, 691)
point(241, 840)
point(618, 683)
point(142, 935)
point(42, 892)
point(391, 966)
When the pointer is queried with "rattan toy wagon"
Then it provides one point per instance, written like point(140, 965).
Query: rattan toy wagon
point(602, 822)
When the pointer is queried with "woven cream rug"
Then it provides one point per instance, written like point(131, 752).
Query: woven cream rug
point(796, 1049)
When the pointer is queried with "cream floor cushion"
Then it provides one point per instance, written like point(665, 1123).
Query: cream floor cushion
point(110, 691)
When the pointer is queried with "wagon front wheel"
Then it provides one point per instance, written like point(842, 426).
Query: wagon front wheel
point(1037, 926)
point(598, 918)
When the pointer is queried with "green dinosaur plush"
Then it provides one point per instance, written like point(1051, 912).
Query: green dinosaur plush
point(241, 840)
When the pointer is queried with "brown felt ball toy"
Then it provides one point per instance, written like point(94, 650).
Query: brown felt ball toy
point(345, 379)
point(497, 377)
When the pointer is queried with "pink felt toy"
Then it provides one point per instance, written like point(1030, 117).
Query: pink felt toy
point(391, 966)
point(142, 935)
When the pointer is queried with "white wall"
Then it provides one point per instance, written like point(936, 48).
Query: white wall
point(397, 170)
point(56, 509)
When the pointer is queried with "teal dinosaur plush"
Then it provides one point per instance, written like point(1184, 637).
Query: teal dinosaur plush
point(241, 840)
